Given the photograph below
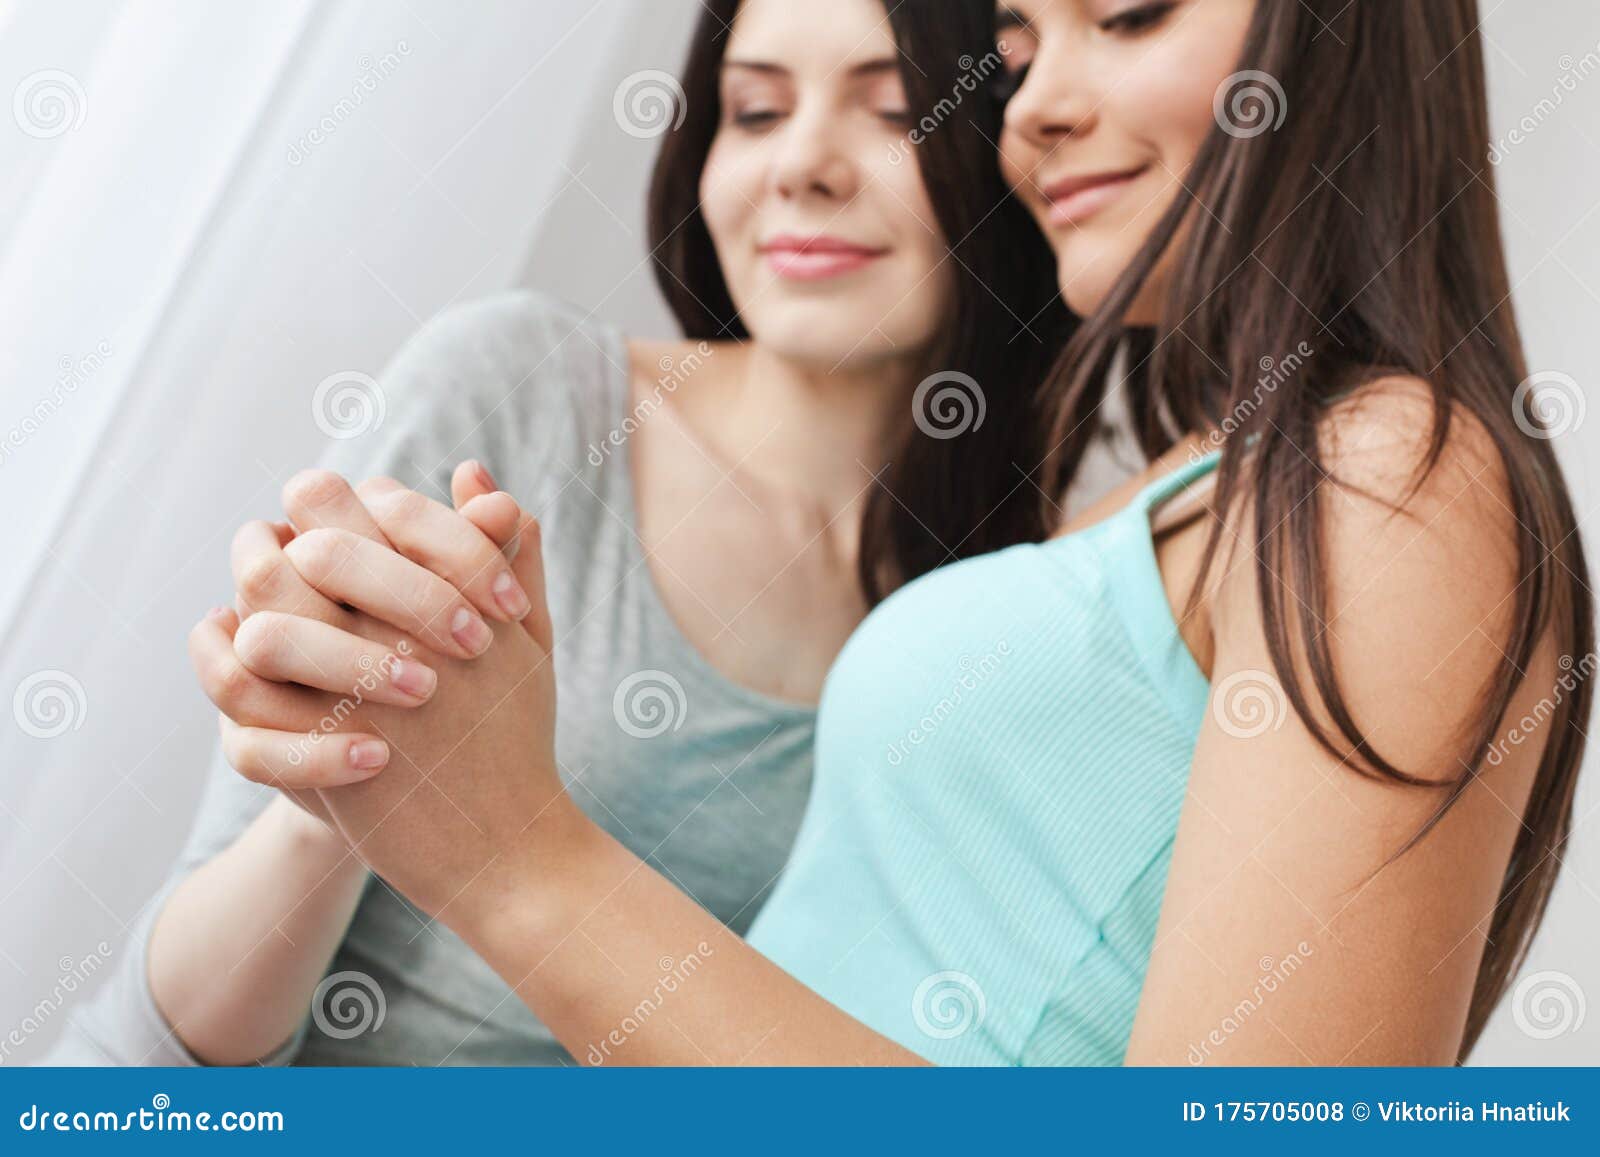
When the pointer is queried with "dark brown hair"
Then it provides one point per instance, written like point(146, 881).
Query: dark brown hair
point(1386, 109)
point(939, 499)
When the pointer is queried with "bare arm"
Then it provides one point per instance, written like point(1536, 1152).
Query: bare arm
point(242, 943)
point(626, 969)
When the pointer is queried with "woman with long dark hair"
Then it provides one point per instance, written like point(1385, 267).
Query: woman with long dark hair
point(1268, 757)
point(717, 501)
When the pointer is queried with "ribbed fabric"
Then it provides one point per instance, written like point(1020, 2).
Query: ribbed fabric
point(1002, 753)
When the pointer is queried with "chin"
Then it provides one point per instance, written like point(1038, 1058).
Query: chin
point(1086, 276)
point(818, 333)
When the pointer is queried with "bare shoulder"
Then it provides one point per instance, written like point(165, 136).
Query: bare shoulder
point(1414, 594)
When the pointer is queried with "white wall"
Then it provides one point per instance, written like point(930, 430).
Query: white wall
point(1549, 187)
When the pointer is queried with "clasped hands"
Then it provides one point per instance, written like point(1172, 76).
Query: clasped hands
point(388, 667)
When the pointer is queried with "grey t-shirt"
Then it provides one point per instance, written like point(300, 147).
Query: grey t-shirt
point(704, 779)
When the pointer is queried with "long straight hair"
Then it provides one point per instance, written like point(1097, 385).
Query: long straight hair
point(1414, 281)
point(940, 498)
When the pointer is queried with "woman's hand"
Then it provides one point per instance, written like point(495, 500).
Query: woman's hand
point(465, 745)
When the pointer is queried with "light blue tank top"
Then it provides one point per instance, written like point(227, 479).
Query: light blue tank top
point(1002, 753)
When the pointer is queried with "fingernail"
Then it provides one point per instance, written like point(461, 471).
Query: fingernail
point(368, 755)
point(471, 631)
point(217, 613)
point(509, 594)
point(415, 679)
point(485, 477)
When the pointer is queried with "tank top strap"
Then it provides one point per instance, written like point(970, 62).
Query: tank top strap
point(1170, 485)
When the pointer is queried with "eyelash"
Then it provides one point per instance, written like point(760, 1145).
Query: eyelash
point(1136, 20)
point(755, 121)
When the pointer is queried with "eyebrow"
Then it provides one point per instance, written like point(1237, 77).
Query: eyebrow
point(876, 67)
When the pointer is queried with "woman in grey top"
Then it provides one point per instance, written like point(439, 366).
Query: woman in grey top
point(718, 513)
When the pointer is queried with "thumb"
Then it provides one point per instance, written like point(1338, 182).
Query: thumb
point(528, 566)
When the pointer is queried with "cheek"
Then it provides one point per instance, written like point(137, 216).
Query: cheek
point(902, 199)
point(1018, 160)
point(729, 185)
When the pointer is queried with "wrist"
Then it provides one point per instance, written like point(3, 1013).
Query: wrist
point(522, 905)
point(308, 839)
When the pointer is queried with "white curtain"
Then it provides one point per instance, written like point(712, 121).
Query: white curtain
point(206, 211)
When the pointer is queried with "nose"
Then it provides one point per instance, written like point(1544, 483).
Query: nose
point(1053, 104)
point(810, 161)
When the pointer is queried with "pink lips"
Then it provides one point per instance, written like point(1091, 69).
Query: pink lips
point(816, 258)
point(1074, 199)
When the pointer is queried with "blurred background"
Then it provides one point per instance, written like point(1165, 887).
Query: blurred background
point(217, 221)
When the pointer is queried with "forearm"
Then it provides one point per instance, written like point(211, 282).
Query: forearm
point(626, 969)
point(242, 943)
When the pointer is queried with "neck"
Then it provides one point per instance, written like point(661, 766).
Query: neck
point(803, 432)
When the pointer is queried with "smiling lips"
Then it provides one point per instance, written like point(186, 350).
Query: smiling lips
point(1074, 199)
point(816, 258)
